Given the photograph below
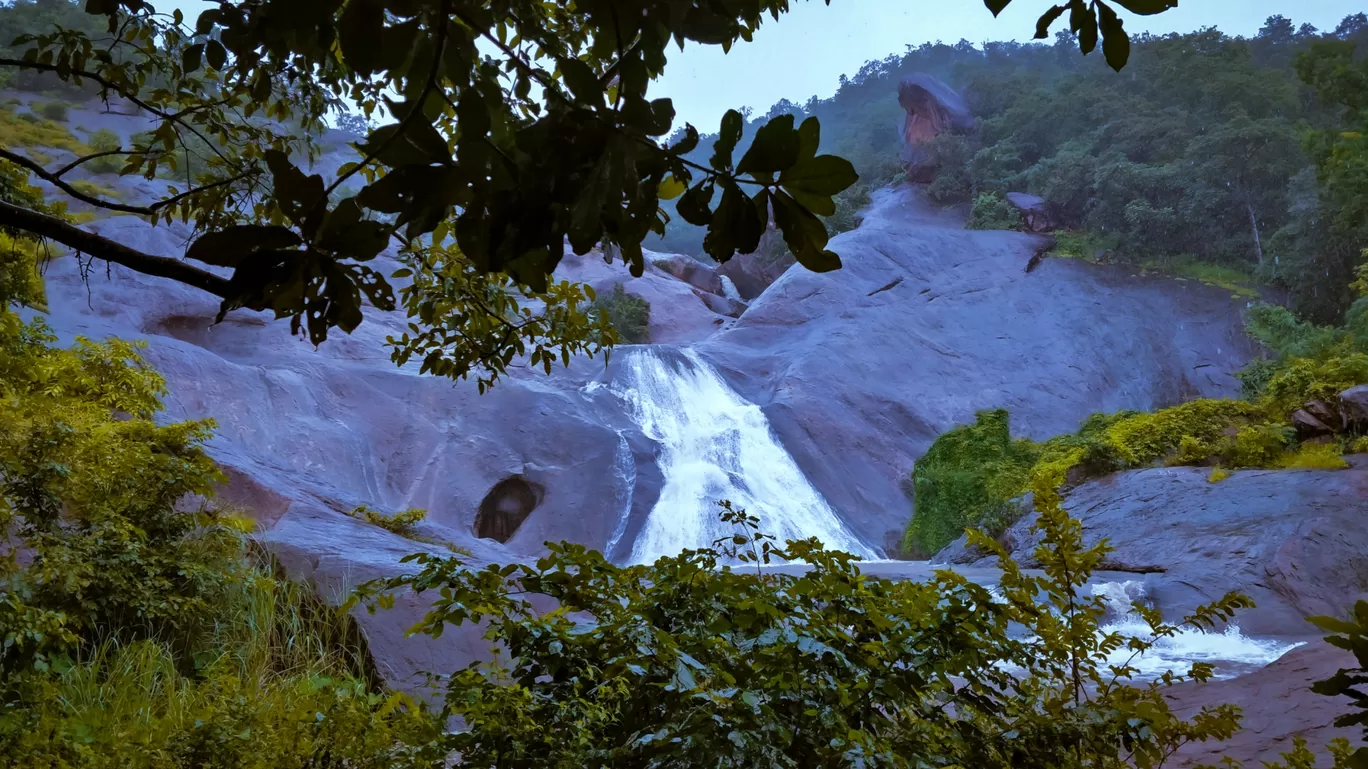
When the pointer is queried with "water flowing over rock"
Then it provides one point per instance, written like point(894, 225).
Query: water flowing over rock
point(716, 446)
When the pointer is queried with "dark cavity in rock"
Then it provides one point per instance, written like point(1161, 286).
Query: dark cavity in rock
point(505, 508)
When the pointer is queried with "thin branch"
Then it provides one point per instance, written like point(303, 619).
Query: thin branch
point(101, 247)
point(57, 182)
point(64, 170)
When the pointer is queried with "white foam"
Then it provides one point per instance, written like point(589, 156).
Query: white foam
point(1230, 650)
point(714, 445)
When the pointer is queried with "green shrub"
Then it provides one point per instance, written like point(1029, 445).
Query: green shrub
point(1299, 380)
point(967, 479)
point(403, 523)
point(139, 630)
point(991, 212)
point(685, 662)
point(55, 111)
point(105, 140)
point(630, 315)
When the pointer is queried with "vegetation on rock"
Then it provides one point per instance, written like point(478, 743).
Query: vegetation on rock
point(1212, 152)
point(971, 474)
point(992, 212)
point(628, 314)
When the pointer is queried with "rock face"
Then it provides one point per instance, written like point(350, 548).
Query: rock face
point(857, 372)
point(933, 108)
point(1354, 406)
point(1292, 540)
point(1278, 706)
point(860, 369)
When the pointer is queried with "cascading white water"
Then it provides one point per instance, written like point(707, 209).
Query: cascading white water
point(627, 475)
point(716, 446)
point(1231, 652)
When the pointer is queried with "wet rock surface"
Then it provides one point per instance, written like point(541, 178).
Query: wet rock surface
point(1292, 540)
point(860, 369)
point(1278, 706)
point(856, 370)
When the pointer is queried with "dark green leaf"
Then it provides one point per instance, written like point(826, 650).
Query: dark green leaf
point(357, 29)
point(582, 81)
point(191, 60)
point(727, 137)
point(215, 54)
point(804, 233)
point(1147, 7)
point(823, 175)
point(228, 247)
point(687, 143)
point(774, 148)
point(1047, 19)
point(1115, 43)
point(1083, 22)
point(809, 136)
point(996, 6)
point(694, 205)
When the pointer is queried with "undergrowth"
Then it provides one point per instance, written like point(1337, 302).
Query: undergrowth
point(26, 130)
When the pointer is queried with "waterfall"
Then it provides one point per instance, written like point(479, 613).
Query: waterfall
point(625, 464)
point(714, 445)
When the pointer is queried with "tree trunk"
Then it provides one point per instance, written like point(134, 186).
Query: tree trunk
point(1254, 225)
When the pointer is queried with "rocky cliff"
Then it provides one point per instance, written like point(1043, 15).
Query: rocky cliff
point(851, 374)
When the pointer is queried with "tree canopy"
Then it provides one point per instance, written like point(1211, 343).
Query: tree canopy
point(508, 129)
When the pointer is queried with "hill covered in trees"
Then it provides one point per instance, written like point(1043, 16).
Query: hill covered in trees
point(1208, 150)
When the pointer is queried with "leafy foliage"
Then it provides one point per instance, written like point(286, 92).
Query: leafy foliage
point(968, 478)
point(135, 624)
point(993, 212)
point(629, 314)
point(508, 133)
point(691, 661)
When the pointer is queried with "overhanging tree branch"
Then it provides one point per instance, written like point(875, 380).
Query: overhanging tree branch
point(101, 247)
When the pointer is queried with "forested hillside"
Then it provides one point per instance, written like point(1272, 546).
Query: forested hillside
point(1209, 151)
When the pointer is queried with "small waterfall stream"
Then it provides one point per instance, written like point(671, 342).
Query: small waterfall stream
point(714, 446)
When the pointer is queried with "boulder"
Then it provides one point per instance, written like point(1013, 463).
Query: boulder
point(1036, 212)
point(688, 269)
point(1322, 411)
point(1295, 541)
point(1277, 705)
point(1307, 425)
point(933, 108)
point(1354, 406)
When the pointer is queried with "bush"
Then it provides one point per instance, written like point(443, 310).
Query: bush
point(967, 479)
point(991, 212)
point(141, 627)
point(629, 315)
point(687, 663)
point(54, 110)
point(105, 140)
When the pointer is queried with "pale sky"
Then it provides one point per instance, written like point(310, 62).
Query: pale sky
point(807, 50)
